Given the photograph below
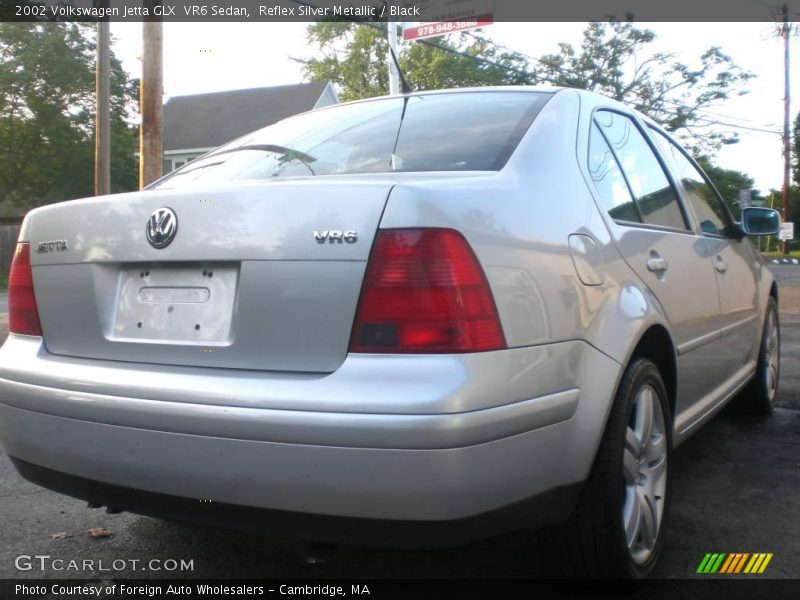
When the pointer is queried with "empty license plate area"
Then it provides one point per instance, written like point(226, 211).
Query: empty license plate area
point(176, 304)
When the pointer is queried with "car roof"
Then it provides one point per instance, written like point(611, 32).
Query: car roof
point(546, 89)
point(497, 88)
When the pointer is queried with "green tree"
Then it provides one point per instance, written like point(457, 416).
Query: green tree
point(47, 86)
point(728, 182)
point(354, 57)
point(612, 59)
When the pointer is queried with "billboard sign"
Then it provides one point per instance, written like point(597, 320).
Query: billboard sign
point(449, 16)
point(745, 198)
point(418, 31)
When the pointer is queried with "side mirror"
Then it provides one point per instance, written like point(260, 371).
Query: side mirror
point(760, 221)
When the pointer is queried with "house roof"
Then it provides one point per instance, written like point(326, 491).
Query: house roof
point(210, 120)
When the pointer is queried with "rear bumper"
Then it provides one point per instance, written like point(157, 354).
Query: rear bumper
point(507, 452)
point(546, 508)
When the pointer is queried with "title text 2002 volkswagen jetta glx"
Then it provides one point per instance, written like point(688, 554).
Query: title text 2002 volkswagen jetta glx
point(415, 319)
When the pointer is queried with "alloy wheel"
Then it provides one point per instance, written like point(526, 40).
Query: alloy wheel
point(772, 355)
point(644, 474)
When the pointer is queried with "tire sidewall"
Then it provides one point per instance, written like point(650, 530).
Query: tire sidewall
point(643, 372)
point(763, 363)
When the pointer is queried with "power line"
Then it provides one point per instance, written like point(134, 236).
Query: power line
point(717, 121)
point(536, 77)
point(480, 59)
point(486, 61)
point(533, 76)
point(528, 56)
point(574, 74)
point(734, 125)
point(667, 101)
point(701, 111)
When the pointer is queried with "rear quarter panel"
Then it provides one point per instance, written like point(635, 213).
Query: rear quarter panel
point(518, 222)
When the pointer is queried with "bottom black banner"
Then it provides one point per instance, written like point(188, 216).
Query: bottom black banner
point(379, 589)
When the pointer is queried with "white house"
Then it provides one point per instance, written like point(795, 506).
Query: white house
point(193, 125)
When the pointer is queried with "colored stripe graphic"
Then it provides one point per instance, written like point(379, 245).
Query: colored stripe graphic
point(734, 563)
point(764, 564)
point(727, 564)
point(740, 566)
point(752, 563)
point(718, 563)
point(704, 563)
point(711, 563)
point(757, 564)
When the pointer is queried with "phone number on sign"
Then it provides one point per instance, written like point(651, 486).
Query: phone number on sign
point(446, 27)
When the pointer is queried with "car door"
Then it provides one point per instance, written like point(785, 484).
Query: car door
point(734, 260)
point(652, 231)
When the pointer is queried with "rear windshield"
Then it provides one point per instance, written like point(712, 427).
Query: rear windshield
point(467, 131)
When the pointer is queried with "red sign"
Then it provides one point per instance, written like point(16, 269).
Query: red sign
point(417, 31)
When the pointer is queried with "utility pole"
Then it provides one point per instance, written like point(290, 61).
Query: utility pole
point(151, 93)
point(786, 117)
point(394, 75)
point(102, 98)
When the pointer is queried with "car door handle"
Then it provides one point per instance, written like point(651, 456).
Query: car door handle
point(656, 264)
point(720, 265)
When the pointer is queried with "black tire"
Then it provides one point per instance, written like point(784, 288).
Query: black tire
point(758, 398)
point(592, 542)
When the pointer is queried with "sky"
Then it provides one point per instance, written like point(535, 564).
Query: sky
point(206, 57)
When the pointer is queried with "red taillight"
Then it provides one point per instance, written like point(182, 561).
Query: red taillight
point(23, 316)
point(424, 291)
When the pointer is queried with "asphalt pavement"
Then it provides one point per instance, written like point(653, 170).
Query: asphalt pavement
point(736, 488)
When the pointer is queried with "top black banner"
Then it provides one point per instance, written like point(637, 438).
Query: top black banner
point(425, 11)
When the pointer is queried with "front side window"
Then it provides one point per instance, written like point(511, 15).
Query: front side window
point(705, 202)
point(469, 131)
point(655, 197)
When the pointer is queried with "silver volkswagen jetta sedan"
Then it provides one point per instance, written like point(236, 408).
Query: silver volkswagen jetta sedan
point(411, 320)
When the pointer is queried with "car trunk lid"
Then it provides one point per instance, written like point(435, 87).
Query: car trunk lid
point(258, 276)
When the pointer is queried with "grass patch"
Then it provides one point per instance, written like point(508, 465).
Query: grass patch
point(3, 282)
point(792, 254)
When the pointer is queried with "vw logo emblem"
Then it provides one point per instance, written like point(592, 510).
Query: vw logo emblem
point(161, 228)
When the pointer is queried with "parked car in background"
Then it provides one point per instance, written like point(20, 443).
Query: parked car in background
point(412, 320)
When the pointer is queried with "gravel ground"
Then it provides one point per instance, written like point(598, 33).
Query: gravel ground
point(789, 303)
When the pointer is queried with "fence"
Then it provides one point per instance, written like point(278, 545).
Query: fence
point(9, 231)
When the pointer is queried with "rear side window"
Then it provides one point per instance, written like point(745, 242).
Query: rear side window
point(655, 197)
point(467, 131)
point(705, 202)
point(609, 181)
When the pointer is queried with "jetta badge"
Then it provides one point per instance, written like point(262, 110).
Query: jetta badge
point(162, 227)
